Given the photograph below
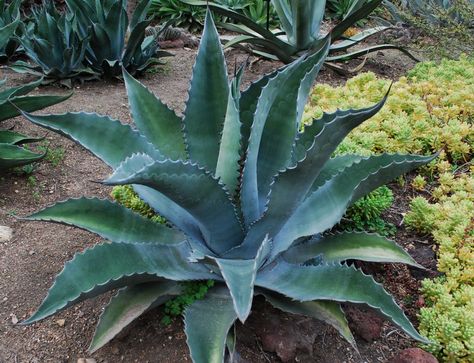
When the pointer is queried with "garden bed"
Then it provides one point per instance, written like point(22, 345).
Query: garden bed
point(37, 251)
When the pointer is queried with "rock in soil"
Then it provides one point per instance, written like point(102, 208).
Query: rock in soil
point(288, 338)
point(365, 324)
point(413, 355)
point(6, 234)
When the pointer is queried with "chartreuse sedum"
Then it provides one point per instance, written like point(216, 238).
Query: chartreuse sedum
point(248, 198)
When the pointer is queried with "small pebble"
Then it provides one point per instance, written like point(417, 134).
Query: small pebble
point(14, 319)
point(61, 322)
point(6, 234)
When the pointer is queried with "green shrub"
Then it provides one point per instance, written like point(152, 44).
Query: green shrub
point(366, 213)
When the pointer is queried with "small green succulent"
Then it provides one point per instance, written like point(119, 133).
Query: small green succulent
point(12, 154)
point(248, 197)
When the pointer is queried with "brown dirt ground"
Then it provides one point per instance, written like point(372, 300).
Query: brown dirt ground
point(30, 261)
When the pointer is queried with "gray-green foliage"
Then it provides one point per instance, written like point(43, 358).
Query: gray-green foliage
point(12, 153)
point(115, 40)
point(90, 39)
point(299, 30)
point(54, 45)
point(243, 211)
point(9, 21)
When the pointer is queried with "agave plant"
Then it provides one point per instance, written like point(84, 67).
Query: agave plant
point(55, 46)
point(344, 8)
point(300, 23)
point(116, 41)
point(9, 20)
point(248, 196)
point(11, 100)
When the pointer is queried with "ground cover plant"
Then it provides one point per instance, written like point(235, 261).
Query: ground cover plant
point(431, 109)
point(299, 30)
point(251, 237)
point(12, 154)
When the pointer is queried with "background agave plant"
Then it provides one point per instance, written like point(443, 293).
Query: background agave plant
point(9, 20)
point(11, 99)
point(256, 229)
point(300, 30)
point(55, 46)
point(115, 40)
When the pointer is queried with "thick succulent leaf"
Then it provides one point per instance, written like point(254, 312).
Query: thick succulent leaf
point(292, 185)
point(308, 80)
point(327, 311)
point(365, 51)
point(207, 103)
point(271, 46)
point(274, 122)
point(8, 31)
point(206, 324)
point(333, 282)
point(113, 265)
point(325, 206)
point(239, 276)
point(198, 192)
point(306, 21)
point(160, 125)
point(110, 221)
point(12, 156)
point(228, 169)
point(127, 305)
point(283, 121)
point(333, 167)
point(19, 90)
point(12, 107)
point(349, 246)
point(359, 37)
point(239, 18)
point(107, 139)
point(15, 138)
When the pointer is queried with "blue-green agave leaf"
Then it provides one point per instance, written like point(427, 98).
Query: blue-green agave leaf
point(207, 103)
point(15, 138)
point(113, 265)
point(12, 156)
point(325, 206)
point(292, 185)
point(110, 221)
point(334, 282)
point(160, 125)
point(197, 191)
point(239, 276)
point(108, 139)
point(127, 305)
point(228, 169)
point(12, 107)
point(206, 323)
point(350, 246)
